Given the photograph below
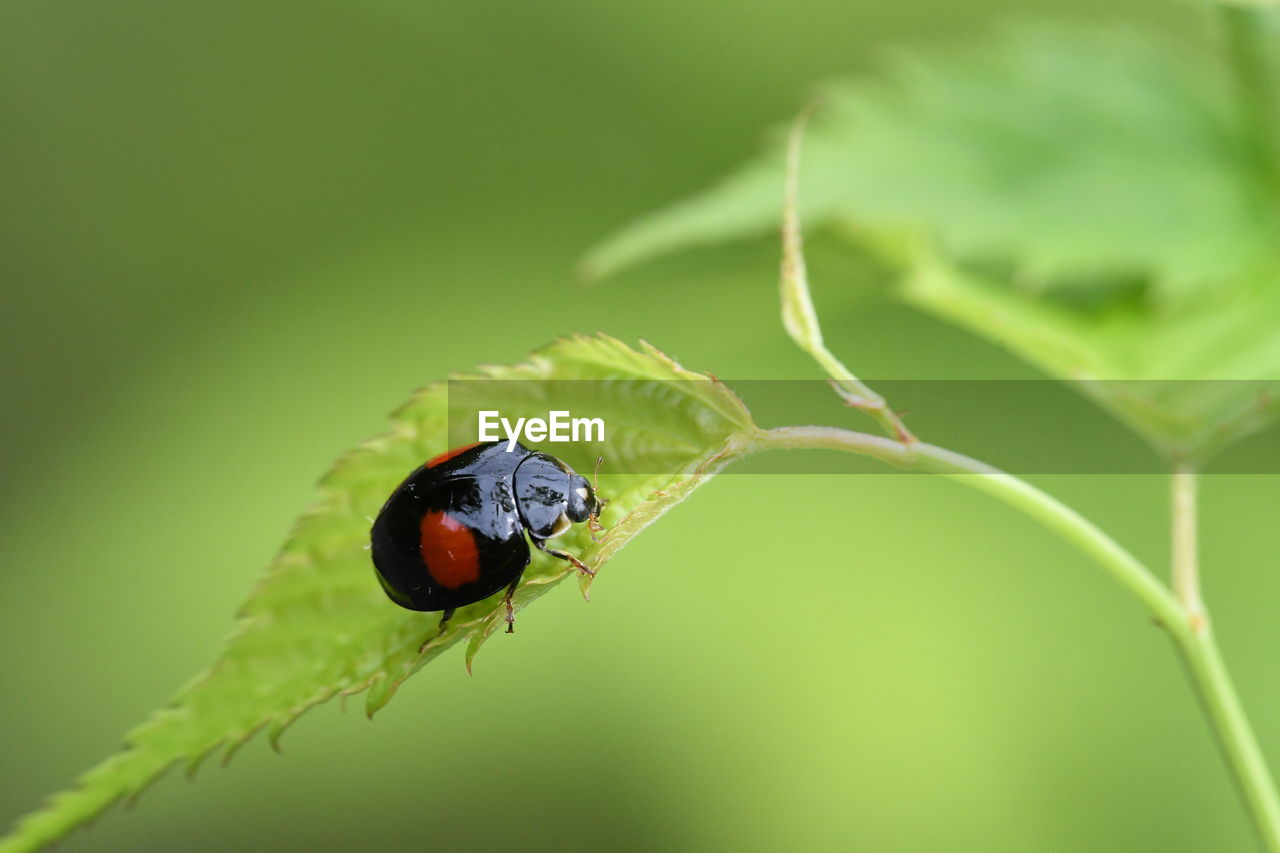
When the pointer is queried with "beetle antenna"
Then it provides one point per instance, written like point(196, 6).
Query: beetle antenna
point(593, 520)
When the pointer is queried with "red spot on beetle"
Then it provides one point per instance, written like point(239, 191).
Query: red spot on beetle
point(449, 550)
point(449, 454)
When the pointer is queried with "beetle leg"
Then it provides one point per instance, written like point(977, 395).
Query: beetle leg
point(582, 567)
point(511, 610)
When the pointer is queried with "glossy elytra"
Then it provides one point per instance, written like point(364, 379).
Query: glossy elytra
point(454, 532)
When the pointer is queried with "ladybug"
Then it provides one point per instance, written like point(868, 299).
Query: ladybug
point(453, 532)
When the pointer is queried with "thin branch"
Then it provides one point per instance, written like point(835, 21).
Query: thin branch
point(1194, 641)
point(1180, 611)
point(1185, 558)
point(1235, 734)
point(798, 314)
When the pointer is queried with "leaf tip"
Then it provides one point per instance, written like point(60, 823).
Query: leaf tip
point(278, 728)
point(381, 689)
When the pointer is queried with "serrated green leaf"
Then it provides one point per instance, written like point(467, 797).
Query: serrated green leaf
point(1064, 154)
point(1083, 198)
point(319, 625)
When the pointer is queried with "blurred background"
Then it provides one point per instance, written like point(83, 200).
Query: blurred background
point(234, 235)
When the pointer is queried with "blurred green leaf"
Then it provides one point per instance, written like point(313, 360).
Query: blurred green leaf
point(1191, 382)
point(318, 624)
point(1083, 198)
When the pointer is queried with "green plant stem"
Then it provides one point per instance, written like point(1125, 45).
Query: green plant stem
point(799, 316)
point(1251, 55)
point(1185, 562)
point(1195, 643)
point(1235, 734)
point(1206, 664)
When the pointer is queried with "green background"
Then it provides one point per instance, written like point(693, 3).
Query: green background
point(234, 235)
